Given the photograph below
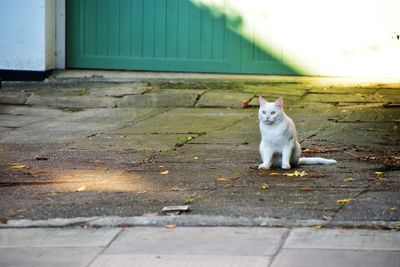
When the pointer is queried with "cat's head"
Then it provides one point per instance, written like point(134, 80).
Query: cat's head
point(270, 112)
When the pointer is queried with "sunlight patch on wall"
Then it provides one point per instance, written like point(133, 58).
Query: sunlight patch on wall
point(329, 38)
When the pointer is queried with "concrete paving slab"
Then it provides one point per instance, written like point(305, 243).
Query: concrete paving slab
point(276, 90)
point(56, 238)
point(10, 121)
point(32, 111)
point(373, 206)
point(119, 90)
point(180, 261)
point(361, 134)
point(336, 239)
point(73, 101)
point(48, 257)
point(162, 98)
point(55, 131)
point(222, 99)
point(187, 120)
point(343, 89)
point(133, 142)
point(334, 258)
point(342, 98)
point(374, 115)
point(198, 241)
point(14, 98)
point(120, 116)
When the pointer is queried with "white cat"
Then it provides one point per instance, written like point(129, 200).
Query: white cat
point(279, 146)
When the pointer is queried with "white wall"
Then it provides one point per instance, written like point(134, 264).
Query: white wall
point(27, 30)
point(60, 34)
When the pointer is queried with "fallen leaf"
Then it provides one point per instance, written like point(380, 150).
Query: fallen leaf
point(161, 166)
point(221, 179)
point(170, 226)
point(306, 189)
point(392, 209)
point(195, 158)
point(296, 174)
point(379, 173)
point(348, 179)
point(81, 189)
point(274, 174)
point(189, 201)
point(343, 201)
point(319, 226)
point(166, 172)
point(18, 166)
point(264, 186)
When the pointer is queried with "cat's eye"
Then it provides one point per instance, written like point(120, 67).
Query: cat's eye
point(264, 112)
point(273, 112)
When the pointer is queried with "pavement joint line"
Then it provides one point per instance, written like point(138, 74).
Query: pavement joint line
point(195, 221)
point(325, 128)
point(280, 246)
point(199, 96)
point(103, 250)
point(344, 204)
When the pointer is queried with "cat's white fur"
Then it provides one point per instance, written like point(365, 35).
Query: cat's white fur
point(279, 146)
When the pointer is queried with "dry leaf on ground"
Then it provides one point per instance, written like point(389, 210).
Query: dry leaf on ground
point(170, 226)
point(264, 186)
point(296, 174)
point(343, 201)
point(18, 166)
point(81, 189)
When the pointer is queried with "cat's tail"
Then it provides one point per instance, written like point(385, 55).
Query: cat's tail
point(316, 161)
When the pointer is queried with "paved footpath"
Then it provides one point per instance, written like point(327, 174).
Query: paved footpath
point(84, 157)
point(194, 246)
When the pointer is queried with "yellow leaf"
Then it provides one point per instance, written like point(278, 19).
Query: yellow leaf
point(348, 179)
point(392, 209)
point(343, 201)
point(170, 226)
point(379, 173)
point(166, 172)
point(81, 189)
point(161, 166)
point(196, 158)
point(296, 173)
point(221, 179)
point(264, 186)
point(319, 226)
point(274, 174)
point(19, 166)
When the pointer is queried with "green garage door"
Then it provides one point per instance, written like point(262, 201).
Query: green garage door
point(163, 35)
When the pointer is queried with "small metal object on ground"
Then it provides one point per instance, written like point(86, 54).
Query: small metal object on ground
point(177, 209)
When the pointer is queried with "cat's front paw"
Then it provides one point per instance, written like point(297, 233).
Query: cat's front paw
point(286, 166)
point(263, 166)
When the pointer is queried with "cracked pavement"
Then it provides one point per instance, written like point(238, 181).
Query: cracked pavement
point(97, 147)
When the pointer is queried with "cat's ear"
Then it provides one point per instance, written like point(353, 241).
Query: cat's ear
point(262, 101)
point(279, 102)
